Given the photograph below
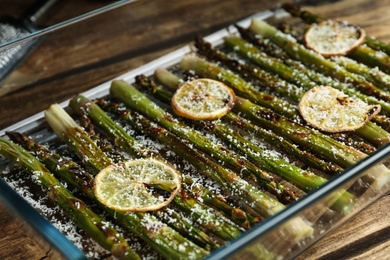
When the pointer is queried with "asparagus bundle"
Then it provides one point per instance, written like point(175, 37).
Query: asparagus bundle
point(184, 201)
point(314, 60)
point(305, 180)
point(261, 202)
point(204, 165)
point(128, 143)
point(231, 160)
point(167, 78)
point(82, 180)
point(75, 208)
point(372, 53)
point(161, 237)
point(326, 146)
point(370, 131)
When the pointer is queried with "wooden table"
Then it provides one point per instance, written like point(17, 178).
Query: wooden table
point(84, 56)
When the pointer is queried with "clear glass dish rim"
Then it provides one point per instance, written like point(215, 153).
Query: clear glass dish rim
point(172, 59)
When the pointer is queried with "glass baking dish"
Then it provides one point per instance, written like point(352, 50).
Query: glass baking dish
point(270, 234)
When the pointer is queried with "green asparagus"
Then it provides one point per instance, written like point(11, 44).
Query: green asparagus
point(239, 86)
point(374, 75)
point(327, 81)
point(370, 131)
point(297, 11)
point(137, 101)
point(128, 143)
point(310, 139)
point(161, 237)
point(305, 180)
point(231, 160)
point(75, 208)
point(314, 60)
point(79, 178)
point(165, 77)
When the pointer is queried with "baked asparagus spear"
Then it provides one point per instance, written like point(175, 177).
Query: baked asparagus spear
point(75, 208)
point(161, 237)
point(374, 75)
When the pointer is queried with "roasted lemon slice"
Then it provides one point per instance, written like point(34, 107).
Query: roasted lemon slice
point(333, 38)
point(330, 110)
point(203, 99)
point(137, 185)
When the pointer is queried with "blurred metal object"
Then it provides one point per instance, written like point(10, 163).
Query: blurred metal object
point(12, 28)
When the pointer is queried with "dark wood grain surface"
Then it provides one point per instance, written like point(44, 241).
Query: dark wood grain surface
point(83, 56)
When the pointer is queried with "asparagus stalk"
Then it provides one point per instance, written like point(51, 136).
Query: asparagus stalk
point(298, 11)
point(104, 145)
point(370, 57)
point(374, 75)
point(79, 178)
point(314, 60)
point(165, 77)
point(377, 45)
point(383, 121)
point(69, 132)
point(272, 64)
point(223, 154)
point(370, 131)
point(161, 237)
point(75, 208)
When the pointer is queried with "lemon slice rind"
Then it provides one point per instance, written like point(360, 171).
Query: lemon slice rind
point(334, 38)
point(330, 110)
point(132, 185)
point(203, 99)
